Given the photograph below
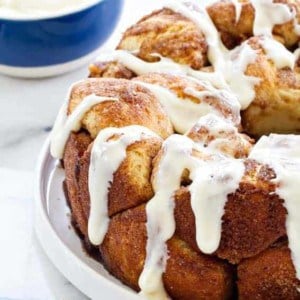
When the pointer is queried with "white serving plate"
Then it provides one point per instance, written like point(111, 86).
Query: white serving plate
point(61, 243)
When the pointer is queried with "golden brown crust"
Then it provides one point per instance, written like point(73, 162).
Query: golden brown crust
point(254, 216)
point(276, 107)
point(233, 33)
point(168, 34)
point(131, 185)
point(270, 275)
point(188, 275)
point(111, 69)
point(223, 15)
point(76, 146)
point(285, 33)
point(135, 106)
point(231, 143)
point(251, 223)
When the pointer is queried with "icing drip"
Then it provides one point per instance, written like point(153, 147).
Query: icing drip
point(269, 14)
point(65, 124)
point(224, 61)
point(183, 112)
point(278, 53)
point(212, 183)
point(238, 9)
point(106, 157)
point(160, 212)
point(139, 66)
point(214, 177)
point(165, 65)
point(228, 68)
point(282, 153)
point(241, 84)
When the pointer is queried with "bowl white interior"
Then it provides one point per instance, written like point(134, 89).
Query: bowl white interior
point(52, 15)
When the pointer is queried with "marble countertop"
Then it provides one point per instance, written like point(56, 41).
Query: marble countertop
point(28, 110)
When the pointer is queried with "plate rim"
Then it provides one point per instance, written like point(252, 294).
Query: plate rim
point(78, 272)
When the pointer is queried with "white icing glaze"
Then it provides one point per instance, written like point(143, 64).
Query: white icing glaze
point(165, 65)
point(212, 183)
point(224, 97)
point(242, 85)
point(216, 79)
point(228, 68)
point(184, 113)
point(160, 213)
point(65, 124)
point(277, 53)
point(282, 153)
point(208, 3)
point(224, 61)
point(238, 9)
point(139, 66)
point(268, 14)
point(236, 65)
point(106, 157)
point(194, 11)
point(214, 177)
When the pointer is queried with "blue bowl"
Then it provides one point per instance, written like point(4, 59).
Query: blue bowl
point(40, 47)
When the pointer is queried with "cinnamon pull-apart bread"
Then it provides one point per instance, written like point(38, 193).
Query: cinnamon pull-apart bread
point(239, 20)
point(260, 71)
point(182, 152)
